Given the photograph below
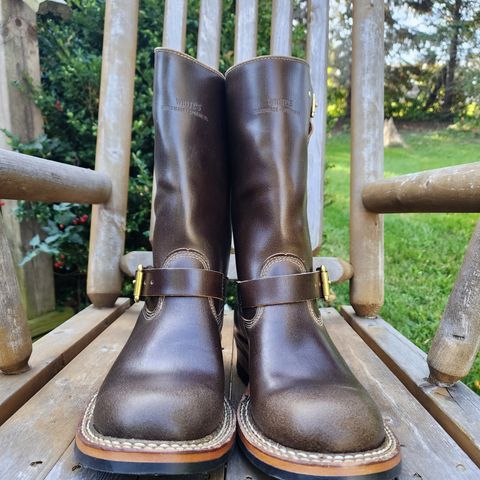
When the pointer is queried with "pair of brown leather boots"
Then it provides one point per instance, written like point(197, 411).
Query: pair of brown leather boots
point(233, 144)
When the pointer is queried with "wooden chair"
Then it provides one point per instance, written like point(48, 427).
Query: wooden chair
point(438, 425)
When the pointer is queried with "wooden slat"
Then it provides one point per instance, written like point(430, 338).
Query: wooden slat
point(175, 24)
point(455, 408)
point(281, 37)
point(52, 352)
point(366, 228)
point(246, 19)
point(338, 269)
point(15, 339)
point(317, 57)
point(68, 468)
point(428, 451)
point(30, 178)
point(47, 423)
point(210, 24)
point(449, 189)
point(107, 233)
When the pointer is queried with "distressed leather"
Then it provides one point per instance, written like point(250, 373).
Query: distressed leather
point(303, 394)
point(168, 381)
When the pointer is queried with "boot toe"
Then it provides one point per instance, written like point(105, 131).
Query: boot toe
point(334, 419)
point(147, 411)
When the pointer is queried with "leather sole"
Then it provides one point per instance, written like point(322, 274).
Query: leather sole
point(135, 456)
point(284, 463)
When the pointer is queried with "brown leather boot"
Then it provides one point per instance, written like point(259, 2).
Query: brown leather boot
point(161, 408)
point(305, 416)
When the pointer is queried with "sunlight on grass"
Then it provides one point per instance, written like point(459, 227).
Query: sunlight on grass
point(423, 252)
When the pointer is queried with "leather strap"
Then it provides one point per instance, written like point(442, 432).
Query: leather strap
point(279, 290)
point(182, 282)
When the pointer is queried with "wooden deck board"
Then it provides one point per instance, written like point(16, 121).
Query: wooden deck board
point(43, 429)
point(456, 408)
point(52, 352)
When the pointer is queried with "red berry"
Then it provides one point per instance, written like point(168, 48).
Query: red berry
point(84, 218)
point(75, 221)
point(58, 105)
point(61, 226)
point(57, 264)
point(62, 256)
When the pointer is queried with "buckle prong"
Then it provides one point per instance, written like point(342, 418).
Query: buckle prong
point(138, 283)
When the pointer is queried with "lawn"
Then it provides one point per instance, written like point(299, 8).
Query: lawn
point(423, 252)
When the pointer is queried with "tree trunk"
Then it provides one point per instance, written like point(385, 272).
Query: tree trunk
point(452, 62)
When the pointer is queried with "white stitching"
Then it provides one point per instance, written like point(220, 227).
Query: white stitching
point(386, 450)
point(267, 57)
point(216, 439)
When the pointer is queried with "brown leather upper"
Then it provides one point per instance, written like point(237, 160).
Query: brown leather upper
point(303, 395)
point(168, 381)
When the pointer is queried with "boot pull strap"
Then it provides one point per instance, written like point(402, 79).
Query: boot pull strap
point(179, 282)
point(282, 289)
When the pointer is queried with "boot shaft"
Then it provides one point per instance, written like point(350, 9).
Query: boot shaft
point(269, 102)
point(192, 196)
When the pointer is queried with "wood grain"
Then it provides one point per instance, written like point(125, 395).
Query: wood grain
point(317, 50)
point(449, 189)
point(454, 408)
point(53, 351)
point(246, 19)
point(30, 178)
point(15, 339)
point(281, 36)
point(366, 228)
point(107, 233)
point(457, 340)
point(209, 29)
point(429, 453)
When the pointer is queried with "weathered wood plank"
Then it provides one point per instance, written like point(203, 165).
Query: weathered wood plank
point(15, 340)
point(317, 50)
point(30, 178)
point(428, 451)
point(68, 468)
point(52, 352)
point(366, 228)
point(455, 408)
point(281, 36)
point(209, 29)
point(449, 189)
point(246, 19)
point(338, 269)
point(47, 423)
point(107, 233)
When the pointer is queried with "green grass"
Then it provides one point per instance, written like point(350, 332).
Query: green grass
point(423, 252)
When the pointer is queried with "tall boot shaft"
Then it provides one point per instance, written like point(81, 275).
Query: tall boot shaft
point(192, 198)
point(269, 102)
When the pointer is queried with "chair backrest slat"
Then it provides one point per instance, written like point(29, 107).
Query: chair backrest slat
point(209, 31)
point(281, 37)
point(175, 24)
point(246, 18)
point(317, 57)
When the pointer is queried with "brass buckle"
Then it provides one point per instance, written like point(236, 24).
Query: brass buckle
point(325, 283)
point(138, 283)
